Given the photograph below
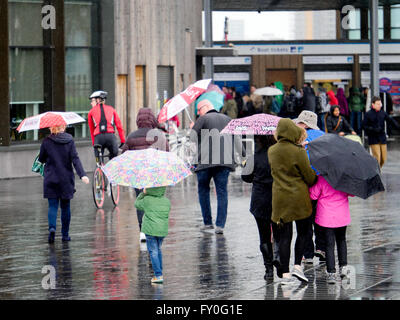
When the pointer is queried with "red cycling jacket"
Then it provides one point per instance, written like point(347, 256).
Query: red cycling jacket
point(94, 117)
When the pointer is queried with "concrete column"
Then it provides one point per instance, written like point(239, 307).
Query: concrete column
point(374, 47)
point(4, 91)
point(209, 67)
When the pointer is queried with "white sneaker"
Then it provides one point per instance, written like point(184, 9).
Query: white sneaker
point(298, 273)
point(142, 237)
point(286, 279)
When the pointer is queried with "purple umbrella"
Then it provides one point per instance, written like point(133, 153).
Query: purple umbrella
point(258, 124)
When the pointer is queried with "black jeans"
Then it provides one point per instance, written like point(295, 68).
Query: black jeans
point(139, 213)
point(264, 231)
point(285, 234)
point(337, 235)
point(319, 236)
point(107, 141)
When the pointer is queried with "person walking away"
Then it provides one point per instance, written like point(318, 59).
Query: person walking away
point(309, 101)
point(239, 102)
point(343, 105)
point(58, 153)
point(324, 107)
point(214, 162)
point(333, 215)
point(356, 107)
point(335, 123)
point(374, 126)
point(261, 197)
point(229, 108)
point(148, 135)
point(308, 121)
point(156, 209)
point(255, 104)
point(102, 120)
point(292, 176)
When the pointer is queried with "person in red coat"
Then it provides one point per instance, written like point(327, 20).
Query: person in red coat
point(102, 119)
point(333, 101)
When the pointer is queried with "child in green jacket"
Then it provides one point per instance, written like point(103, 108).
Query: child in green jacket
point(156, 209)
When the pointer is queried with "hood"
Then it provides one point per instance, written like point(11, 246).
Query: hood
point(146, 119)
point(340, 93)
point(331, 94)
point(61, 138)
point(288, 130)
point(355, 91)
point(156, 192)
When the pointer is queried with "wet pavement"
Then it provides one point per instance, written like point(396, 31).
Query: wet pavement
point(105, 260)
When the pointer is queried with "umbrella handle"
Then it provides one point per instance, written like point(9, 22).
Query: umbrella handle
point(188, 114)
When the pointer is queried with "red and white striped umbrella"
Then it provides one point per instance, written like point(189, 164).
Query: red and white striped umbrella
point(182, 100)
point(49, 119)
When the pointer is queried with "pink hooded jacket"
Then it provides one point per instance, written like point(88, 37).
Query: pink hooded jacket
point(333, 206)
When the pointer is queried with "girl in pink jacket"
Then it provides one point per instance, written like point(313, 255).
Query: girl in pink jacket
point(333, 214)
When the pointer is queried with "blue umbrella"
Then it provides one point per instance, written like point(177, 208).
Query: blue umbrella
point(214, 97)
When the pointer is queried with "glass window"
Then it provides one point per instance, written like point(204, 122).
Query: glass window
point(380, 24)
point(25, 23)
point(81, 67)
point(395, 16)
point(395, 33)
point(354, 32)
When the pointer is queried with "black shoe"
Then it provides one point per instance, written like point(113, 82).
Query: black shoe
point(52, 235)
point(269, 273)
point(66, 239)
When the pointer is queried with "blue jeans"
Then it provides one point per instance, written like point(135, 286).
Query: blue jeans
point(65, 215)
point(220, 176)
point(154, 247)
point(355, 121)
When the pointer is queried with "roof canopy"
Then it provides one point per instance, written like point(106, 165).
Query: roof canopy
point(289, 5)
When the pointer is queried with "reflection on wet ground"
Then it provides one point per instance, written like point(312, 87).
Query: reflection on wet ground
point(105, 260)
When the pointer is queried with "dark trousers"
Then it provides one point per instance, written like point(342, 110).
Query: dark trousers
point(264, 231)
point(220, 176)
point(337, 235)
point(319, 236)
point(107, 141)
point(139, 213)
point(65, 215)
point(284, 238)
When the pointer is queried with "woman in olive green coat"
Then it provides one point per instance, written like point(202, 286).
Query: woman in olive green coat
point(292, 175)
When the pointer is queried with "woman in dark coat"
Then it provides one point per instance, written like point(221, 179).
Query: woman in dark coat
point(147, 135)
point(258, 172)
point(335, 123)
point(58, 153)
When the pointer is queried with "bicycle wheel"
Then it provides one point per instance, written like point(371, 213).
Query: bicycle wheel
point(98, 188)
point(114, 193)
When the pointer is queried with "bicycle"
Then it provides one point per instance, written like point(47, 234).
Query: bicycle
point(99, 182)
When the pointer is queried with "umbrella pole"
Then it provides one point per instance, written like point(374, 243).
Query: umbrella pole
point(188, 114)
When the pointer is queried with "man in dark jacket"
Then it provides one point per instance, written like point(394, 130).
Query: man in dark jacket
point(215, 160)
point(374, 126)
point(58, 153)
point(146, 136)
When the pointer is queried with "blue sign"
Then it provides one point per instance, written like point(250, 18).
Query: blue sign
point(385, 84)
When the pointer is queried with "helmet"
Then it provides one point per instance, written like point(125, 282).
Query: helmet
point(99, 94)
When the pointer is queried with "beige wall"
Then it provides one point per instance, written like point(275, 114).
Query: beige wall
point(152, 33)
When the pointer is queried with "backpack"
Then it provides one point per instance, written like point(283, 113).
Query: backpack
point(291, 104)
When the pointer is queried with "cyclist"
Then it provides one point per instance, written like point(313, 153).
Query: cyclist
point(102, 121)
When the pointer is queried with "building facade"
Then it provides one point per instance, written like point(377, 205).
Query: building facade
point(55, 53)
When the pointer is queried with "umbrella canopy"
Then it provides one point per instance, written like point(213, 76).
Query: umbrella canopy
point(258, 124)
point(214, 97)
point(268, 91)
point(346, 165)
point(182, 100)
point(49, 119)
point(146, 168)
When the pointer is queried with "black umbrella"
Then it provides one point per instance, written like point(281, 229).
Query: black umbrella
point(346, 165)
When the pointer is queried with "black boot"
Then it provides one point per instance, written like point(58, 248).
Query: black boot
point(276, 260)
point(266, 250)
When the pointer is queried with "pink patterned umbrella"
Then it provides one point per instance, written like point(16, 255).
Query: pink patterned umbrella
point(258, 124)
point(182, 100)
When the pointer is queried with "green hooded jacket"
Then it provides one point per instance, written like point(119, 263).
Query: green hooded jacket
point(156, 209)
point(292, 174)
point(356, 103)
